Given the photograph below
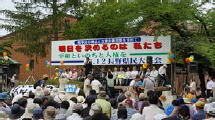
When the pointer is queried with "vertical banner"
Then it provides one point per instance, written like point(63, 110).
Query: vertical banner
point(111, 51)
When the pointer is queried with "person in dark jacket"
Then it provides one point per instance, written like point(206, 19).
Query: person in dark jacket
point(88, 66)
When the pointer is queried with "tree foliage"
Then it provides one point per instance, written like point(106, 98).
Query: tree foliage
point(105, 20)
point(36, 24)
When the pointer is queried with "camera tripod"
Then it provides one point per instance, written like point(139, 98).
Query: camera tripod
point(30, 77)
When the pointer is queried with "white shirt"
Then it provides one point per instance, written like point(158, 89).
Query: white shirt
point(151, 111)
point(193, 85)
point(213, 85)
point(96, 85)
point(132, 83)
point(154, 74)
point(162, 71)
point(127, 74)
point(74, 116)
point(86, 89)
point(13, 79)
point(134, 74)
point(210, 85)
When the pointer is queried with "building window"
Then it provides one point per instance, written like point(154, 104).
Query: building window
point(67, 24)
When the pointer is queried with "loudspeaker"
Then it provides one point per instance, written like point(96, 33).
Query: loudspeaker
point(149, 60)
point(193, 67)
point(31, 64)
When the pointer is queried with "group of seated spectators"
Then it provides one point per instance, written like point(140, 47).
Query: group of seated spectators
point(53, 104)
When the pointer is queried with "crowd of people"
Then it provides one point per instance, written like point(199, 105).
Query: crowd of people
point(54, 104)
point(101, 103)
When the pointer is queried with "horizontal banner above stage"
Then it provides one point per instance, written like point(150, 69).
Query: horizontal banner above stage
point(111, 51)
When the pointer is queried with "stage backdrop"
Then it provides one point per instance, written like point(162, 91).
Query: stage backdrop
point(111, 51)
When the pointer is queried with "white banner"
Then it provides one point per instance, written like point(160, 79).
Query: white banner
point(111, 51)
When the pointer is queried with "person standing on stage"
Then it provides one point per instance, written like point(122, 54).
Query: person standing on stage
point(162, 75)
point(88, 66)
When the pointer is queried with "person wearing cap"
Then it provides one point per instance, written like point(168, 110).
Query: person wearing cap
point(148, 83)
point(87, 85)
point(77, 112)
point(63, 81)
point(201, 114)
point(129, 108)
point(4, 107)
point(134, 87)
point(162, 75)
point(43, 82)
point(38, 114)
point(211, 112)
point(106, 106)
point(151, 111)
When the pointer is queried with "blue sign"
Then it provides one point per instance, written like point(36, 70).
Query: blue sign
point(71, 88)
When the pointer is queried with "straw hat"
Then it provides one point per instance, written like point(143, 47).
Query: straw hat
point(101, 95)
point(162, 98)
point(45, 76)
point(128, 94)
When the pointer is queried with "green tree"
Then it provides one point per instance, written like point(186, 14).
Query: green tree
point(191, 28)
point(105, 20)
point(30, 24)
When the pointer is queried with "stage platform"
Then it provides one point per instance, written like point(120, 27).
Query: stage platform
point(155, 89)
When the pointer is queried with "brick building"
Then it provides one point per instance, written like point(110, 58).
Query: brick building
point(40, 65)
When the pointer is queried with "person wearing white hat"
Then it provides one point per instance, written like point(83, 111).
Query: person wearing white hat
point(60, 97)
point(211, 112)
point(29, 110)
point(87, 85)
point(95, 109)
point(54, 92)
point(63, 81)
point(162, 75)
point(39, 92)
